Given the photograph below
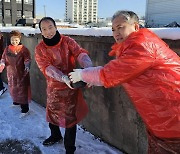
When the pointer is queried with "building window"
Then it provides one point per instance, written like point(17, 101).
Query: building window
point(19, 13)
point(18, 1)
point(28, 14)
point(28, 2)
point(7, 13)
point(7, 0)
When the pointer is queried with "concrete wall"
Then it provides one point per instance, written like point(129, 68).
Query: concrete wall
point(111, 116)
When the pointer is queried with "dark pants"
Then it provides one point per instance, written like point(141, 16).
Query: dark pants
point(1, 83)
point(24, 108)
point(69, 137)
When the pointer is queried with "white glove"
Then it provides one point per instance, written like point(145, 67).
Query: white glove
point(89, 85)
point(67, 81)
point(2, 66)
point(76, 75)
point(26, 69)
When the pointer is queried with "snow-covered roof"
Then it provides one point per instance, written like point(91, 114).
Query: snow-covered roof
point(164, 33)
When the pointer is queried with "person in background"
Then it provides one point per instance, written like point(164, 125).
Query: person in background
point(2, 88)
point(16, 58)
point(56, 55)
point(149, 71)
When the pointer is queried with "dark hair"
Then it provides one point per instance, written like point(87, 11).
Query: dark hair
point(15, 33)
point(45, 19)
point(128, 16)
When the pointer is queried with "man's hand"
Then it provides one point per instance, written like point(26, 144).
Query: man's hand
point(67, 81)
point(76, 75)
point(2, 66)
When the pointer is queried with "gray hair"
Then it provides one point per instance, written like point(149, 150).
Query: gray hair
point(129, 16)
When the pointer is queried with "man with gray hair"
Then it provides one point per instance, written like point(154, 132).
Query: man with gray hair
point(149, 71)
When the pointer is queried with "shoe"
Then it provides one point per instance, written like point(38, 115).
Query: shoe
point(70, 151)
point(24, 114)
point(15, 104)
point(3, 91)
point(52, 140)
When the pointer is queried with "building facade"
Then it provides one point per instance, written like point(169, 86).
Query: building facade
point(81, 11)
point(162, 12)
point(11, 11)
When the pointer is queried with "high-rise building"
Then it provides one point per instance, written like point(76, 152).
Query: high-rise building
point(11, 11)
point(81, 11)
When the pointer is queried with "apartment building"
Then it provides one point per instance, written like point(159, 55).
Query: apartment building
point(81, 11)
point(162, 12)
point(11, 11)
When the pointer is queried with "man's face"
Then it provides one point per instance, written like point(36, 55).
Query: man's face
point(48, 30)
point(122, 29)
point(15, 40)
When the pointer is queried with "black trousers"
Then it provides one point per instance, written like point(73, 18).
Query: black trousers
point(69, 137)
point(1, 83)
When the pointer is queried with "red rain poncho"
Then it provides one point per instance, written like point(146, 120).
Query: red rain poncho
point(65, 107)
point(15, 59)
point(150, 73)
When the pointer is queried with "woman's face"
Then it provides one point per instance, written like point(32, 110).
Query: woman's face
point(15, 40)
point(48, 29)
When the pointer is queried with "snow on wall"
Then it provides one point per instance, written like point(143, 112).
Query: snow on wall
point(164, 33)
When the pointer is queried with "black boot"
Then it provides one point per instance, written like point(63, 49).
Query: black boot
point(52, 140)
point(14, 103)
point(55, 136)
point(24, 108)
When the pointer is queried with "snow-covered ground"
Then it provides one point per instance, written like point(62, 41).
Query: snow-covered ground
point(34, 128)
